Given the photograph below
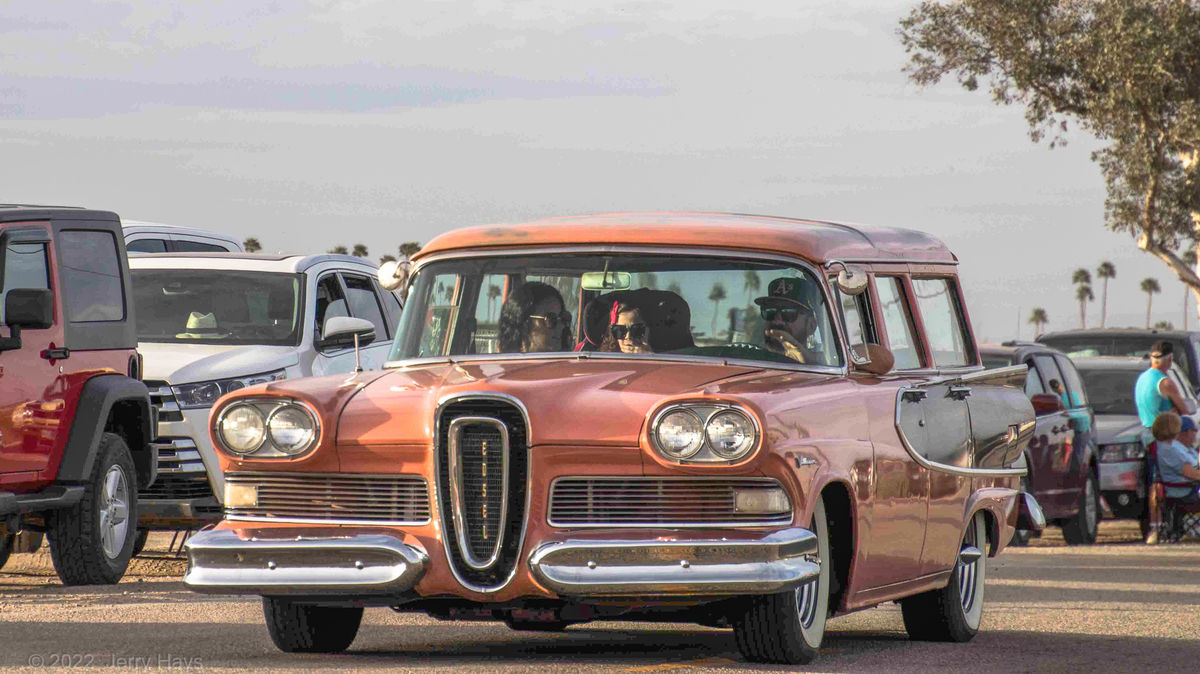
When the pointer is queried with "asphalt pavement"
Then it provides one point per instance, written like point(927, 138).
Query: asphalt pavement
point(1118, 606)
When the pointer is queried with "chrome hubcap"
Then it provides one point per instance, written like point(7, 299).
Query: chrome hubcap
point(967, 573)
point(114, 512)
point(806, 602)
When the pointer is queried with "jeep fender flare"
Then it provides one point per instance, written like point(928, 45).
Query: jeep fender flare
point(110, 403)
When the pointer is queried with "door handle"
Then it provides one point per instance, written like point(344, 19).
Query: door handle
point(60, 353)
point(960, 392)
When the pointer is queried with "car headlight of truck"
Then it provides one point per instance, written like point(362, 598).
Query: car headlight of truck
point(266, 428)
point(704, 433)
point(1122, 451)
point(205, 393)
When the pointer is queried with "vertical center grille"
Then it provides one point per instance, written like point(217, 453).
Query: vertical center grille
point(482, 471)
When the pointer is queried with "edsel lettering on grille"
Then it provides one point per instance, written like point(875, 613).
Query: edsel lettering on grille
point(746, 422)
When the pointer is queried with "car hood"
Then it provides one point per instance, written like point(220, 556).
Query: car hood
point(190, 363)
point(1112, 428)
point(599, 402)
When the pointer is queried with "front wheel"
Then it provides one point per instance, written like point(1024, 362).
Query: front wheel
point(787, 628)
point(1082, 528)
point(305, 628)
point(954, 612)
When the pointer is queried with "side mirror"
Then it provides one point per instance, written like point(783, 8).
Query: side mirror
point(1045, 403)
point(26, 308)
point(346, 331)
point(872, 358)
point(394, 274)
point(850, 280)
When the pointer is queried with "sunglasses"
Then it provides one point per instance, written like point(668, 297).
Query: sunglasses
point(786, 314)
point(554, 320)
point(635, 331)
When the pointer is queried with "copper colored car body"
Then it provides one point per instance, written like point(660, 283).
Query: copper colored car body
point(534, 487)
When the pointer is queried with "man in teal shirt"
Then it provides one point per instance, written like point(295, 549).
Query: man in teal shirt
point(1154, 392)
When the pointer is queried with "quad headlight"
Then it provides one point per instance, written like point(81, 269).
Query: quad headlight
point(266, 428)
point(704, 433)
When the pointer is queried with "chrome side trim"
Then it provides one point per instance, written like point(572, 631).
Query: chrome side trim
point(776, 562)
point(458, 498)
point(934, 465)
point(329, 562)
point(482, 395)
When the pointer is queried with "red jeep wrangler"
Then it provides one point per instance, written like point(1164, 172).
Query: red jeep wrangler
point(75, 420)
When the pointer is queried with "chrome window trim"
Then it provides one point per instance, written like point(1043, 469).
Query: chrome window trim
point(672, 525)
point(690, 406)
point(603, 355)
point(500, 251)
point(483, 395)
point(899, 260)
point(454, 475)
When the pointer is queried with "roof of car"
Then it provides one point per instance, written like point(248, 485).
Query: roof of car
point(814, 240)
point(1091, 332)
point(21, 212)
point(131, 226)
point(1111, 362)
point(245, 261)
point(1015, 349)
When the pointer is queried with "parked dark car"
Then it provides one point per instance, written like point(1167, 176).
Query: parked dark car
point(1063, 467)
point(1130, 342)
point(1110, 381)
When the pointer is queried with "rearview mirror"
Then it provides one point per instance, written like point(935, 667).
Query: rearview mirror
point(605, 280)
point(1045, 403)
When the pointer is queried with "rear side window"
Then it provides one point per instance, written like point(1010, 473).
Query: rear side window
point(146, 246)
point(1076, 392)
point(24, 267)
point(939, 308)
point(364, 304)
point(1053, 377)
point(898, 323)
point(91, 276)
point(1033, 382)
point(184, 246)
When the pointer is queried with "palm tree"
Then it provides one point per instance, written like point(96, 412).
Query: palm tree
point(360, 250)
point(1164, 325)
point(1150, 286)
point(409, 248)
point(674, 288)
point(252, 245)
point(1039, 319)
point(1189, 256)
point(1105, 271)
point(1081, 276)
point(339, 250)
point(716, 295)
point(493, 295)
point(1083, 293)
point(752, 284)
point(387, 258)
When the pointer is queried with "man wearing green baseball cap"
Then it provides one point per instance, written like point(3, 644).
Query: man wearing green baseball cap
point(788, 309)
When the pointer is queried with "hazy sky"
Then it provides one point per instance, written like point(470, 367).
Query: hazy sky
point(312, 124)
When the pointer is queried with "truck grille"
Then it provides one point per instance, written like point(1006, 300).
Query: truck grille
point(163, 398)
point(335, 497)
point(181, 473)
point(482, 469)
point(657, 502)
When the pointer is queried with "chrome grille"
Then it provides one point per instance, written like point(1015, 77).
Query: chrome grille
point(334, 497)
point(181, 473)
point(653, 502)
point(163, 398)
point(478, 485)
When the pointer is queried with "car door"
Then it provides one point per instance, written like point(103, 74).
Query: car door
point(1051, 462)
point(348, 294)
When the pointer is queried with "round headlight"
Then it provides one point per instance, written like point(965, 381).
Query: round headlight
point(680, 434)
point(242, 429)
point(731, 434)
point(292, 429)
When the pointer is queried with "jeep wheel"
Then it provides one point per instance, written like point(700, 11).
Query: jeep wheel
point(952, 613)
point(6, 546)
point(92, 541)
point(1081, 529)
point(787, 628)
point(139, 542)
point(305, 628)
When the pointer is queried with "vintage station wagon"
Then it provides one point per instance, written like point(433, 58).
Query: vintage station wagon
point(741, 421)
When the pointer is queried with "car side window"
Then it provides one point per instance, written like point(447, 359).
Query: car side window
point(91, 276)
point(856, 318)
point(185, 246)
point(391, 305)
point(364, 304)
point(1053, 376)
point(24, 267)
point(938, 303)
point(331, 302)
point(146, 246)
point(1076, 393)
point(1033, 381)
point(898, 323)
point(1181, 384)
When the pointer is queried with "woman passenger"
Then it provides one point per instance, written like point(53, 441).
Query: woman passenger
point(533, 320)
point(627, 330)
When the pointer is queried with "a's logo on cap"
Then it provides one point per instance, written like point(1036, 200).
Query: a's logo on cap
point(784, 287)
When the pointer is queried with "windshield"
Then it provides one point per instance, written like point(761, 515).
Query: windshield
point(217, 306)
point(1111, 391)
point(637, 305)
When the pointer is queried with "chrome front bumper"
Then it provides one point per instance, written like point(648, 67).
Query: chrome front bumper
point(776, 562)
point(221, 562)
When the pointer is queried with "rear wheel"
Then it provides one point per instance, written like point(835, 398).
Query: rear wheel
point(788, 627)
point(1081, 529)
point(305, 628)
point(92, 541)
point(954, 612)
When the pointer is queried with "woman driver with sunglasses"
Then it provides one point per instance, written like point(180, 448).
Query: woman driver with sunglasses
point(627, 330)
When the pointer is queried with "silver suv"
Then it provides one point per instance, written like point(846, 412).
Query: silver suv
point(209, 324)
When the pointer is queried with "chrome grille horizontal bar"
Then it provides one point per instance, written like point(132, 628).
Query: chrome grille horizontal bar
point(637, 501)
point(334, 497)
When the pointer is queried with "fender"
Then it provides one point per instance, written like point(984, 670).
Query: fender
point(96, 402)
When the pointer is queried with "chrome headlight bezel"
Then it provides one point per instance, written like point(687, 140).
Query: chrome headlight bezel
point(269, 408)
point(187, 395)
point(706, 452)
